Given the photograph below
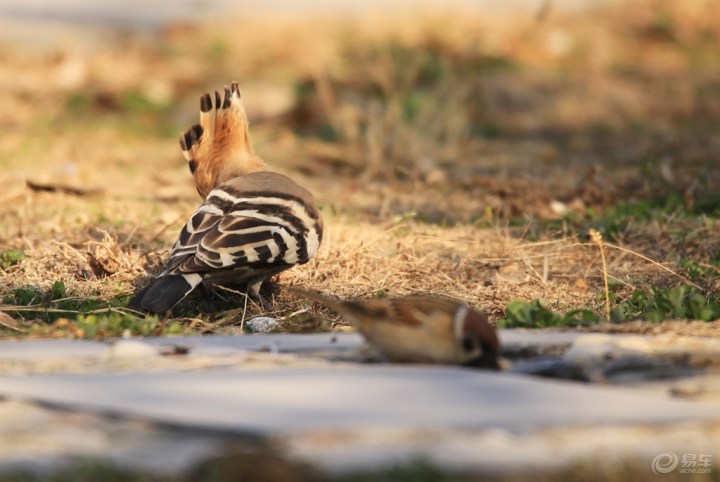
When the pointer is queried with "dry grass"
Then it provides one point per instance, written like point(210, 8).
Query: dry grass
point(467, 161)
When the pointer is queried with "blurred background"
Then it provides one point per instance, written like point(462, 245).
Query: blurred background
point(516, 103)
point(538, 119)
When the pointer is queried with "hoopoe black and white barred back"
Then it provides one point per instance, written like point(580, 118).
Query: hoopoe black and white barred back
point(253, 224)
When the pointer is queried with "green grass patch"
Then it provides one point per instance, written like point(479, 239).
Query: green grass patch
point(677, 303)
point(700, 270)
point(523, 314)
point(51, 303)
point(615, 220)
point(11, 257)
point(55, 314)
point(418, 470)
point(132, 112)
point(657, 304)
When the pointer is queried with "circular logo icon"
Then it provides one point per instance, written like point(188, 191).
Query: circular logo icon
point(664, 463)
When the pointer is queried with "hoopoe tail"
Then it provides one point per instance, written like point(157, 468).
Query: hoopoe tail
point(165, 292)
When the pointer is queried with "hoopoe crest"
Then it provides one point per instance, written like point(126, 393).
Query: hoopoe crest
point(219, 148)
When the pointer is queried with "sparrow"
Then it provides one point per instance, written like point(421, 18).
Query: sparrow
point(253, 222)
point(420, 328)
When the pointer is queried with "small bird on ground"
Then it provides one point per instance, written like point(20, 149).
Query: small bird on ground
point(420, 328)
point(253, 224)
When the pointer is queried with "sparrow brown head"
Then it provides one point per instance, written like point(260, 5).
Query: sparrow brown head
point(425, 329)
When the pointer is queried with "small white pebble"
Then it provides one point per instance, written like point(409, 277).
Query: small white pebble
point(558, 207)
point(262, 324)
point(132, 349)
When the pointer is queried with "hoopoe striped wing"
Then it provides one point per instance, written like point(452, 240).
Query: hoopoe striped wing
point(246, 230)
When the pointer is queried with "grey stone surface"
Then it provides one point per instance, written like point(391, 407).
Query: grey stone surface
point(310, 393)
point(502, 451)
point(261, 342)
point(343, 397)
point(41, 437)
point(512, 340)
point(48, 349)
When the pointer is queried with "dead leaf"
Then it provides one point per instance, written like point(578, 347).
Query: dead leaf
point(11, 323)
point(98, 269)
point(63, 188)
point(512, 272)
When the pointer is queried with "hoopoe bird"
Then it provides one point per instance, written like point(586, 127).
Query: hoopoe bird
point(420, 328)
point(253, 223)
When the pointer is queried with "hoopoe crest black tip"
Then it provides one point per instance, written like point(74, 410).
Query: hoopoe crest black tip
point(205, 103)
point(226, 100)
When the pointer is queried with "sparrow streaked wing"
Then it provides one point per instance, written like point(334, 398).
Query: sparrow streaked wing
point(420, 328)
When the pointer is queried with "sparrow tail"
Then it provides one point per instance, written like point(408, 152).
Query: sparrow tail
point(334, 305)
point(350, 310)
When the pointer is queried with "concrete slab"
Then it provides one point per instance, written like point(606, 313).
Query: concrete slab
point(42, 438)
point(494, 452)
point(335, 415)
point(297, 343)
point(50, 349)
point(512, 340)
point(343, 397)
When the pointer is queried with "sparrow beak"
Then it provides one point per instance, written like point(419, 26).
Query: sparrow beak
point(477, 327)
point(486, 360)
